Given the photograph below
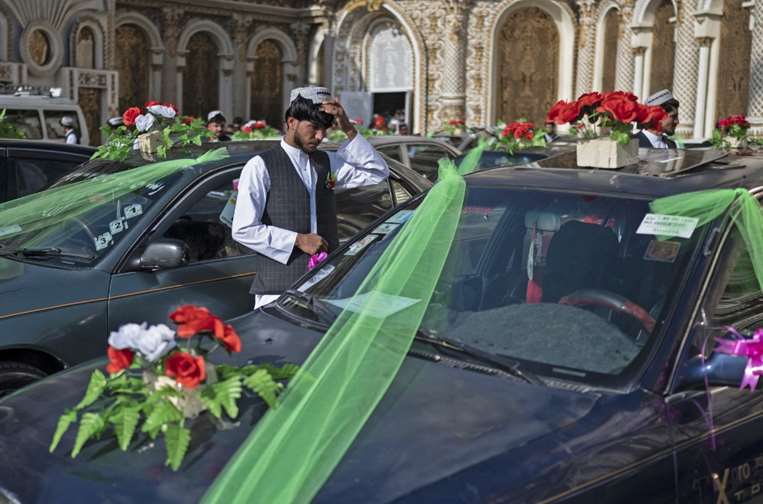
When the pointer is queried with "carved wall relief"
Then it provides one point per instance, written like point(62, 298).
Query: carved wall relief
point(528, 62)
point(267, 84)
point(86, 48)
point(133, 63)
point(663, 47)
point(736, 44)
point(90, 102)
point(609, 68)
point(39, 47)
point(201, 76)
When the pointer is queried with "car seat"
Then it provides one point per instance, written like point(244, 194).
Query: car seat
point(580, 256)
point(540, 229)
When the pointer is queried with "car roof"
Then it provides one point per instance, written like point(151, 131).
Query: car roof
point(710, 170)
point(7, 143)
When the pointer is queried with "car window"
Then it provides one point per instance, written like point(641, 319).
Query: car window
point(33, 175)
point(358, 207)
point(26, 121)
point(393, 151)
point(738, 284)
point(401, 193)
point(424, 158)
point(205, 225)
point(53, 122)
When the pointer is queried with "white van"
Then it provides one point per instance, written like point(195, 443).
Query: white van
point(39, 117)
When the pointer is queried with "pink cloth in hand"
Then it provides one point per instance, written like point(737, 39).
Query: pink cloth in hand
point(316, 259)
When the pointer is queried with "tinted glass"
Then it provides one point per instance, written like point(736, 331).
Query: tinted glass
point(393, 151)
point(53, 123)
point(27, 121)
point(560, 282)
point(33, 175)
point(359, 207)
point(424, 158)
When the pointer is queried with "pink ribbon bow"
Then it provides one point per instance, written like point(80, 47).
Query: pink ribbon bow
point(751, 348)
point(316, 259)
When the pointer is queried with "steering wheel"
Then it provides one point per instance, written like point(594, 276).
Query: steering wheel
point(616, 302)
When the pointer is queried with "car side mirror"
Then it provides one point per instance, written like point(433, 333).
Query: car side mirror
point(162, 254)
point(720, 370)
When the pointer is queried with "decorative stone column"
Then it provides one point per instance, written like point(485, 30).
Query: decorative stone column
point(685, 69)
point(639, 70)
point(453, 51)
point(703, 81)
point(755, 102)
point(242, 28)
point(172, 17)
point(624, 69)
point(300, 30)
point(586, 47)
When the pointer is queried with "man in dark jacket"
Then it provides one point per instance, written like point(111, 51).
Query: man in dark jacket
point(653, 139)
point(285, 207)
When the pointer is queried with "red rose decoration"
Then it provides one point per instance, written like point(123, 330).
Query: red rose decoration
point(260, 124)
point(225, 334)
point(590, 100)
point(188, 370)
point(192, 320)
point(621, 109)
point(187, 120)
point(246, 129)
point(150, 103)
point(129, 115)
point(379, 122)
point(119, 359)
point(652, 117)
point(563, 112)
point(625, 95)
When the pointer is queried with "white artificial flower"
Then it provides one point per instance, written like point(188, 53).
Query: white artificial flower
point(144, 122)
point(163, 111)
point(126, 336)
point(155, 341)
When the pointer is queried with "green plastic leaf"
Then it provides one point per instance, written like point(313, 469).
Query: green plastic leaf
point(64, 421)
point(94, 390)
point(91, 425)
point(281, 372)
point(176, 439)
point(125, 423)
point(163, 413)
point(227, 393)
point(263, 384)
point(211, 401)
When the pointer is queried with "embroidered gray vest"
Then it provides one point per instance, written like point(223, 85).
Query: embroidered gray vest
point(288, 207)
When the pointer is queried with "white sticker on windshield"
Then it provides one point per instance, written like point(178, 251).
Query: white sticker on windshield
point(319, 275)
point(360, 244)
point(400, 217)
point(154, 188)
point(8, 230)
point(102, 241)
point(667, 225)
point(133, 210)
point(117, 226)
point(385, 228)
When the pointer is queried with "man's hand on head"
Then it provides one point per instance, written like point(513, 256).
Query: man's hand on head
point(334, 108)
point(311, 243)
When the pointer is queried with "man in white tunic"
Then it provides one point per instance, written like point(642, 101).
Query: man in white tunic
point(285, 209)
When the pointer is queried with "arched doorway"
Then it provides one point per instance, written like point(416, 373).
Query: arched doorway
point(390, 72)
point(201, 76)
point(663, 46)
point(611, 27)
point(735, 53)
point(267, 83)
point(85, 48)
point(133, 52)
point(528, 61)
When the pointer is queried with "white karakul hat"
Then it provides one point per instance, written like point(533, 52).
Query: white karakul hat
point(67, 121)
point(315, 94)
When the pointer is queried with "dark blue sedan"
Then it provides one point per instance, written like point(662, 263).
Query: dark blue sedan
point(558, 360)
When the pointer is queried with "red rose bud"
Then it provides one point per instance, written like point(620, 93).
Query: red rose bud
point(192, 320)
point(129, 116)
point(227, 336)
point(119, 359)
point(188, 370)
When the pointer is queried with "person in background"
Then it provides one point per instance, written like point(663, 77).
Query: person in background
point(285, 207)
point(216, 124)
point(70, 134)
point(653, 139)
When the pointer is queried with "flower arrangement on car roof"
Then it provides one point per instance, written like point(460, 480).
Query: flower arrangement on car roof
point(256, 130)
point(520, 134)
point(153, 129)
point(731, 132)
point(379, 128)
point(160, 379)
point(595, 114)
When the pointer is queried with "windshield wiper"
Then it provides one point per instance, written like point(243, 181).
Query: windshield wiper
point(46, 252)
point(498, 362)
point(318, 308)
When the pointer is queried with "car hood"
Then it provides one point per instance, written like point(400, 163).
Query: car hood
point(435, 421)
point(26, 287)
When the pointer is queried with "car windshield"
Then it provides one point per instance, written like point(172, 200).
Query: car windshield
point(98, 221)
point(570, 285)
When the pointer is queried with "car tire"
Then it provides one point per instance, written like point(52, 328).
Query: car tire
point(14, 375)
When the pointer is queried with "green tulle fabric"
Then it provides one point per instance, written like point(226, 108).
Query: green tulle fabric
point(296, 446)
point(711, 204)
point(55, 205)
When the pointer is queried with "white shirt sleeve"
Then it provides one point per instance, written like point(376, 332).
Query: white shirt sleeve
point(247, 228)
point(356, 163)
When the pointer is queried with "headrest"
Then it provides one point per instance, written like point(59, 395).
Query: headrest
point(542, 221)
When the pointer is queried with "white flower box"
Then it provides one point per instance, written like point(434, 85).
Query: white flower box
point(735, 143)
point(606, 153)
point(149, 142)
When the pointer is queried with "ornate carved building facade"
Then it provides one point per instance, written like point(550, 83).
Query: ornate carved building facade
point(432, 60)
